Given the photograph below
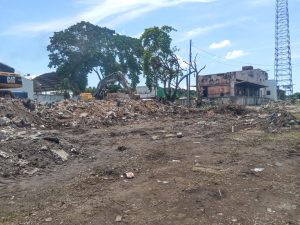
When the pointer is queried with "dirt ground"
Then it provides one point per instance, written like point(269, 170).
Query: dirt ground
point(222, 169)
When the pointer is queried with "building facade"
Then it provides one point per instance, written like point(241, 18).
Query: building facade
point(248, 86)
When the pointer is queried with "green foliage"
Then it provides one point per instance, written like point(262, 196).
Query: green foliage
point(160, 62)
point(113, 88)
point(91, 90)
point(281, 94)
point(84, 48)
point(296, 96)
point(180, 93)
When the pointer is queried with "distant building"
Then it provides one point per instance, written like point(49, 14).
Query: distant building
point(248, 87)
point(144, 92)
point(47, 88)
point(271, 90)
point(47, 82)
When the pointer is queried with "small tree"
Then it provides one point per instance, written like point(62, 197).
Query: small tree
point(161, 63)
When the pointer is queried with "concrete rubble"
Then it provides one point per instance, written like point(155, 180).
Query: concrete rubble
point(30, 139)
point(82, 113)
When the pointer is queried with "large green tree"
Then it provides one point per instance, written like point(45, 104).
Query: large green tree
point(160, 61)
point(85, 48)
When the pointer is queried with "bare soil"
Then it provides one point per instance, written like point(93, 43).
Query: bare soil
point(211, 175)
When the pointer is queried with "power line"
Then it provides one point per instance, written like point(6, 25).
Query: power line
point(233, 60)
point(219, 60)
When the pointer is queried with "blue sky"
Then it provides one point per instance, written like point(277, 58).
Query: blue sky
point(226, 34)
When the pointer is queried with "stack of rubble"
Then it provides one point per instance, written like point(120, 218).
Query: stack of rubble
point(97, 113)
point(275, 115)
point(227, 109)
point(82, 113)
point(14, 112)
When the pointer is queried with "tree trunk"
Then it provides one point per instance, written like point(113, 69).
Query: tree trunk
point(98, 74)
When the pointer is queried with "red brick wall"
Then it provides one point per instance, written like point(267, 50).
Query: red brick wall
point(217, 91)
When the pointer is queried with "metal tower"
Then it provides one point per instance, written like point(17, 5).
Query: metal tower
point(283, 62)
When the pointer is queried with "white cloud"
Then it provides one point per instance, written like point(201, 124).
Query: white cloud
point(203, 30)
point(235, 54)
point(209, 28)
point(222, 44)
point(97, 11)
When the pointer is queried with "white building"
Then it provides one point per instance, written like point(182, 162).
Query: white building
point(144, 92)
point(27, 87)
point(271, 90)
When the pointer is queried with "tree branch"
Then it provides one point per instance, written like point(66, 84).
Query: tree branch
point(98, 74)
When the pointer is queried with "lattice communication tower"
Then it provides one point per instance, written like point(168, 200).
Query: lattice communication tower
point(283, 62)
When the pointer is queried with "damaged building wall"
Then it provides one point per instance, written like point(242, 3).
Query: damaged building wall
point(248, 82)
point(216, 85)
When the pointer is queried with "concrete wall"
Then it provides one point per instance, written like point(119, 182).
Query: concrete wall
point(48, 98)
point(271, 91)
point(241, 100)
point(144, 92)
point(256, 76)
point(27, 86)
point(216, 85)
point(219, 90)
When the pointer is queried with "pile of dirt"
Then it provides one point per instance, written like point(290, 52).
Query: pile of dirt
point(227, 109)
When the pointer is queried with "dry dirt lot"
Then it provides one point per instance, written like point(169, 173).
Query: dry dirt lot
point(211, 175)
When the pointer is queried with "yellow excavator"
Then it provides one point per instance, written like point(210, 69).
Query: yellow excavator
point(8, 79)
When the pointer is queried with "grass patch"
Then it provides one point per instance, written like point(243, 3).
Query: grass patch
point(292, 136)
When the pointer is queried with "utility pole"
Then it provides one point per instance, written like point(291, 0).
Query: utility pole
point(283, 62)
point(189, 77)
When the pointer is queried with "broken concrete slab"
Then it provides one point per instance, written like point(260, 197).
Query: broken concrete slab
point(60, 154)
point(4, 155)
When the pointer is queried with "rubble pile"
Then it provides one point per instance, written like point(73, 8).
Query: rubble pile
point(15, 112)
point(277, 117)
point(96, 113)
point(71, 113)
point(227, 109)
point(270, 117)
point(30, 137)
point(28, 152)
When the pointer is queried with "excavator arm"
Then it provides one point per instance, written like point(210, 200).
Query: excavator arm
point(111, 79)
